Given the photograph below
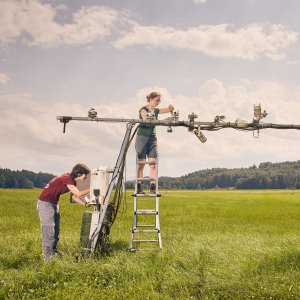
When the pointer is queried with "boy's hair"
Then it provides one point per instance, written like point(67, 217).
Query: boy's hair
point(78, 170)
point(152, 96)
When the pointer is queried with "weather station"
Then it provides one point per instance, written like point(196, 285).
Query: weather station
point(106, 184)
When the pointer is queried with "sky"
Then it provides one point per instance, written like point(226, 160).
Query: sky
point(210, 57)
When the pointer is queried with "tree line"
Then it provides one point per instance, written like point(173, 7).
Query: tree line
point(23, 179)
point(284, 175)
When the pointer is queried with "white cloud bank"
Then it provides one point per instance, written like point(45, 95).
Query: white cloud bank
point(4, 79)
point(199, 1)
point(35, 23)
point(250, 43)
point(34, 139)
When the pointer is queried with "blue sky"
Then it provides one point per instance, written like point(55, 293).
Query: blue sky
point(209, 57)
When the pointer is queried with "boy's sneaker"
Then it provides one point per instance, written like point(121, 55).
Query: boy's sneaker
point(152, 188)
point(139, 189)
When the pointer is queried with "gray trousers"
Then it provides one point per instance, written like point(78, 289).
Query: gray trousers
point(50, 219)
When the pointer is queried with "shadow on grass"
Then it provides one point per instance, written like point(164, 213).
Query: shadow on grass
point(14, 262)
point(282, 263)
point(273, 276)
point(285, 262)
point(106, 251)
point(113, 248)
point(20, 259)
point(118, 246)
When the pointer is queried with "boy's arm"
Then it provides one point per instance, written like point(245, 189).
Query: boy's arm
point(79, 201)
point(74, 190)
point(168, 109)
point(143, 114)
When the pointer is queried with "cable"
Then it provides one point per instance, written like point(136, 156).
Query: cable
point(118, 194)
point(117, 198)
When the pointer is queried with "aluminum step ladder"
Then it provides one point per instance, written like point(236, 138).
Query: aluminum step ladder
point(142, 213)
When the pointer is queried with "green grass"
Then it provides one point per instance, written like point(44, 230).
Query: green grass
point(216, 245)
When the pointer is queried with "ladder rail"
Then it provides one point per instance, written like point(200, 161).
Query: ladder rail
point(137, 213)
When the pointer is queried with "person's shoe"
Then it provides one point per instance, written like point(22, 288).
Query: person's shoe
point(139, 189)
point(152, 188)
point(57, 253)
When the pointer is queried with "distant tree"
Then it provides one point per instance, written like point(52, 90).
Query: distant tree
point(12, 182)
point(23, 179)
point(25, 183)
point(2, 181)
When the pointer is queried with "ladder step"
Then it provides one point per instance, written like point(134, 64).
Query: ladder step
point(144, 249)
point(145, 230)
point(146, 212)
point(145, 241)
point(145, 179)
point(146, 195)
point(146, 225)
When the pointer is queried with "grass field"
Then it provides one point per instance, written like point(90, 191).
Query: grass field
point(216, 245)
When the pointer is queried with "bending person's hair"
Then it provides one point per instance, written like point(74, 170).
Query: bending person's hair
point(79, 170)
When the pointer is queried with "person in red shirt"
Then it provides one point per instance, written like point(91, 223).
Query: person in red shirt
point(48, 205)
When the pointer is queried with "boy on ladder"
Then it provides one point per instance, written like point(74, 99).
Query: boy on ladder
point(146, 141)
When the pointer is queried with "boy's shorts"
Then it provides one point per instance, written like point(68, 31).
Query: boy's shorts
point(146, 146)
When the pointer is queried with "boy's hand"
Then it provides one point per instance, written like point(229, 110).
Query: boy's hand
point(171, 107)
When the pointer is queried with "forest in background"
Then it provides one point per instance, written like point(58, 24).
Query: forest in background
point(23, 179)
point(284, 175)
point(267, 175)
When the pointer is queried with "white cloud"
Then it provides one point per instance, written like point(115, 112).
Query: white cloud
point(293, 62)
point(230, 148)
point(61, 7)
point(35, 23)
point(34, 139)
point(250, 43)
point(199, 1)
point(4, 79)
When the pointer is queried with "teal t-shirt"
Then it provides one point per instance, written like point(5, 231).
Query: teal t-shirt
point(148, 130)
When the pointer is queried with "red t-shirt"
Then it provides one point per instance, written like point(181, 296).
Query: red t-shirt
point(56, 187)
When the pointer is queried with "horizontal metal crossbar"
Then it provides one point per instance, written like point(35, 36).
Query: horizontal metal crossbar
point(145, 230)
point(146, 195)
point(146, 212)
point(138, 241)
point(190, 124)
